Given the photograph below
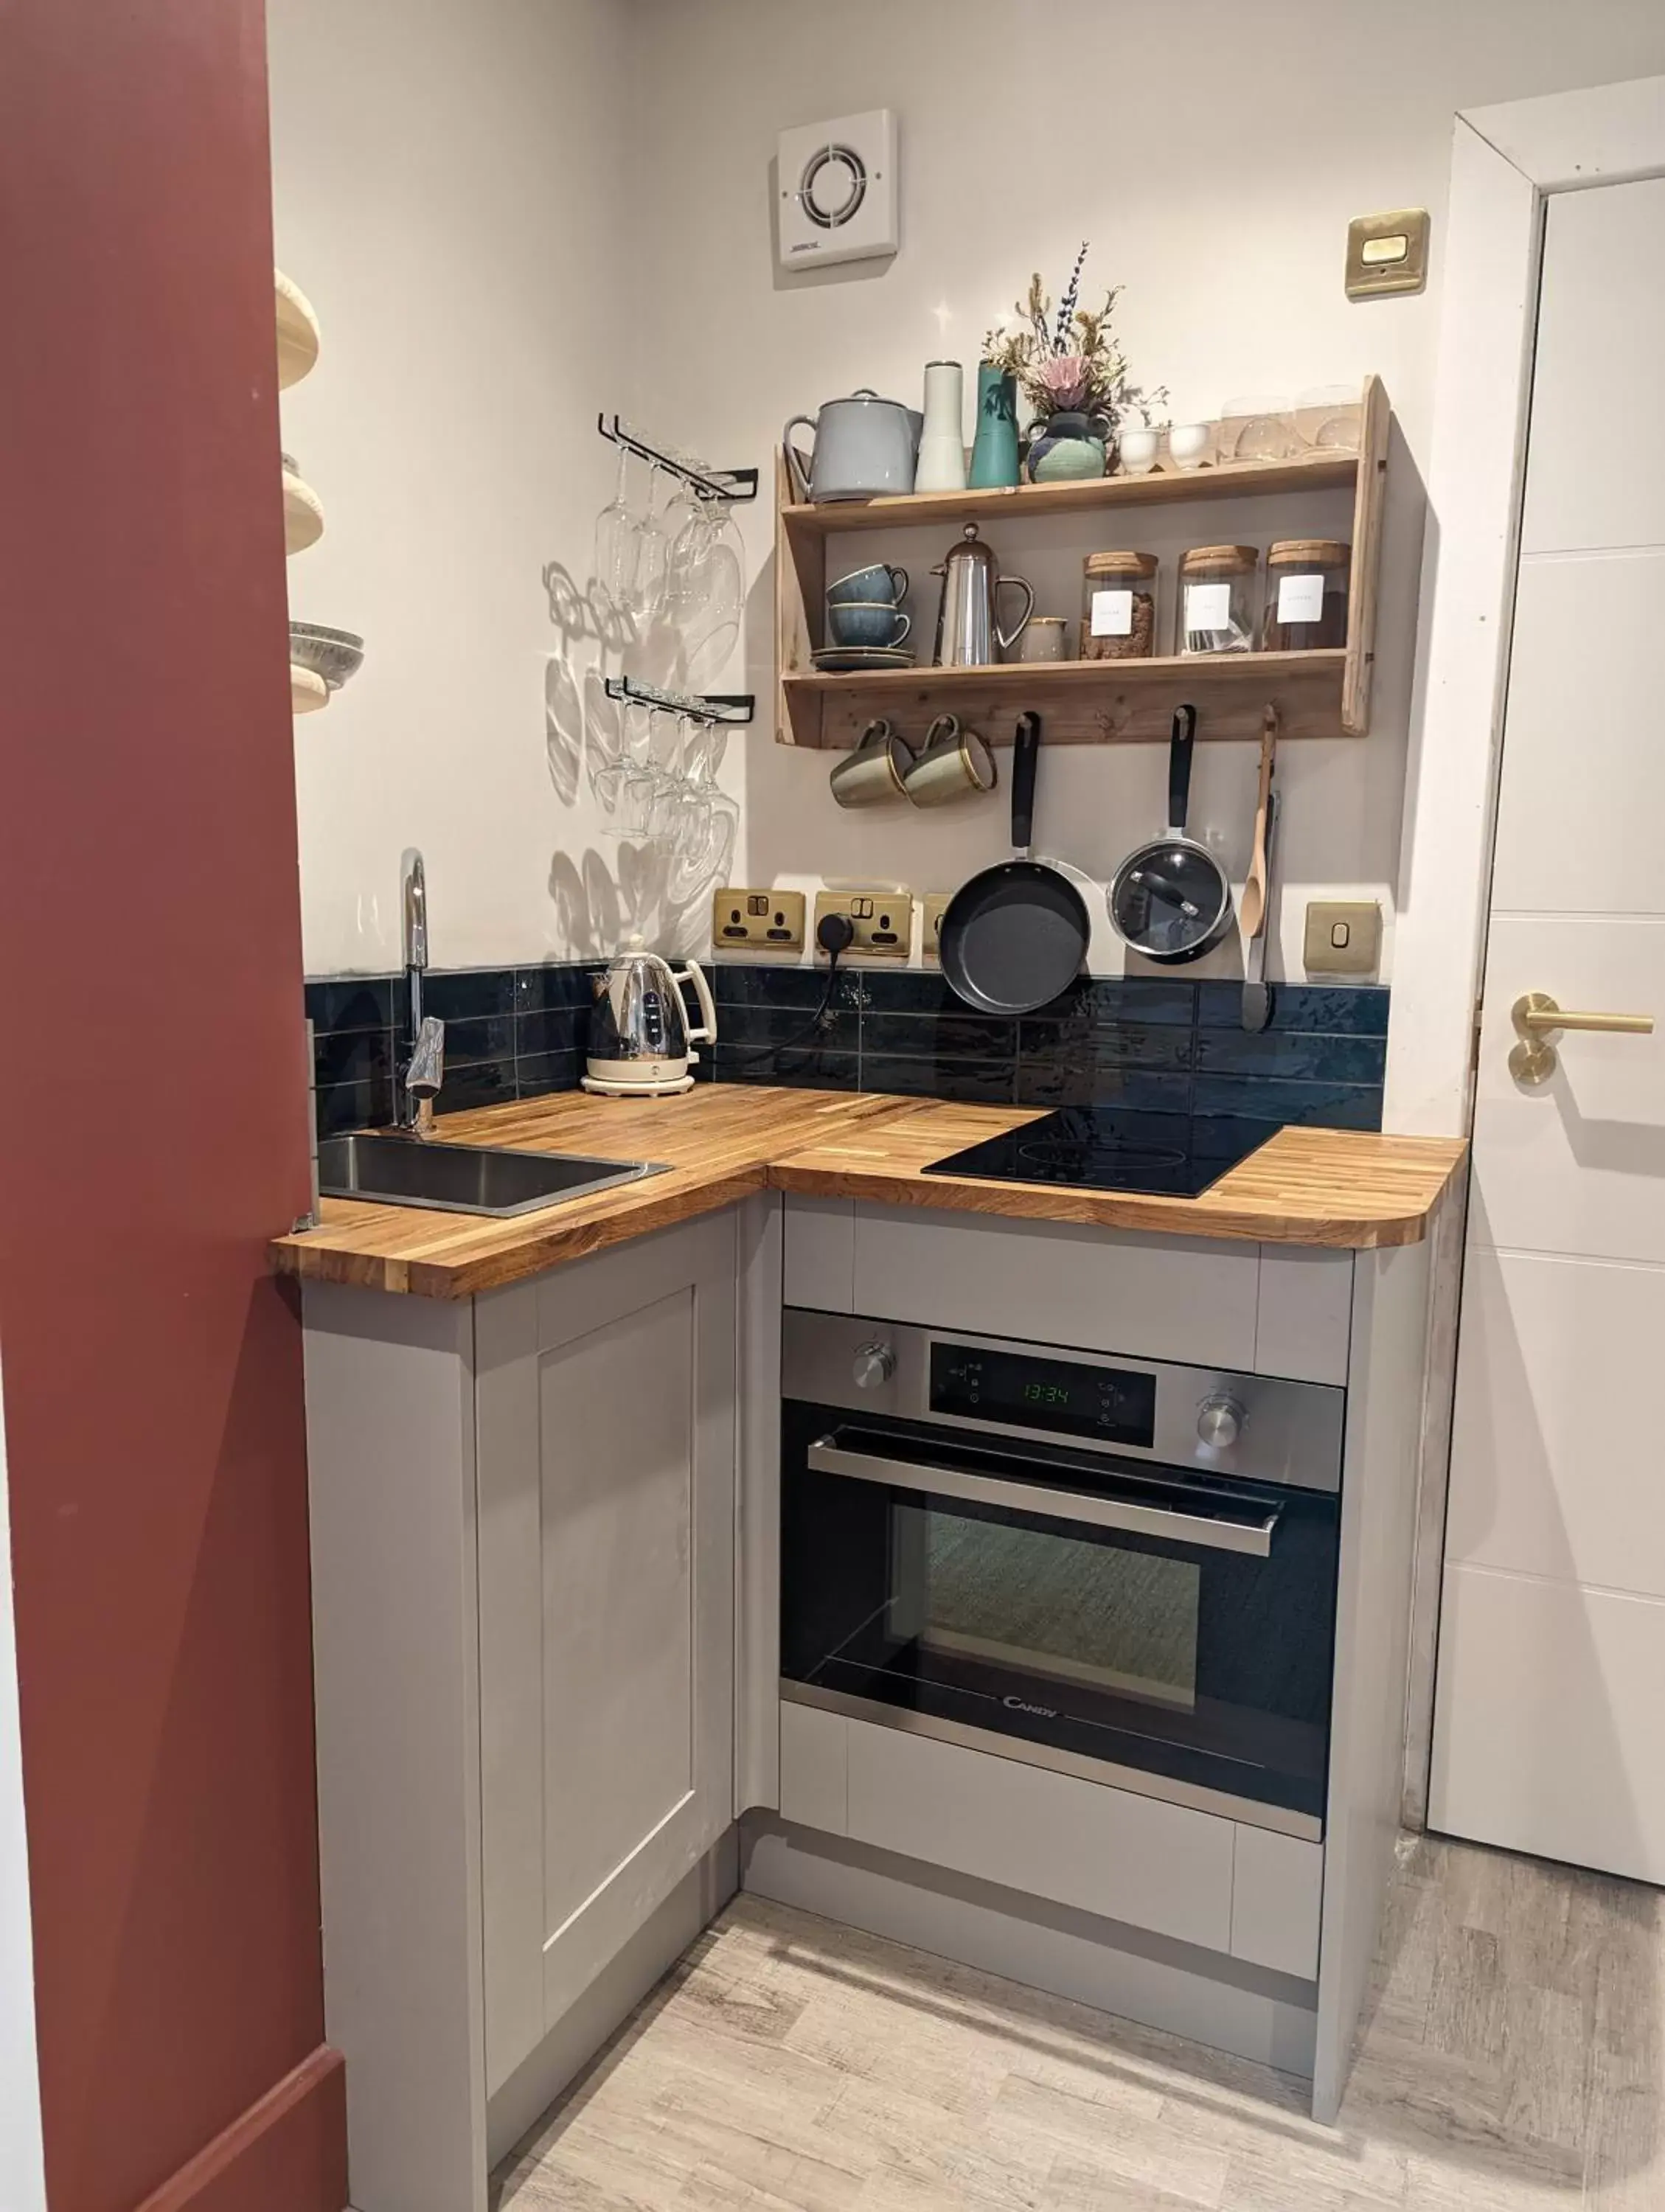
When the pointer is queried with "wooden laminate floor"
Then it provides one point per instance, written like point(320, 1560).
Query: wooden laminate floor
point(1513, 2061)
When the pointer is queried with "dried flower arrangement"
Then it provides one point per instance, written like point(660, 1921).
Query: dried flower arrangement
point(1069, 362)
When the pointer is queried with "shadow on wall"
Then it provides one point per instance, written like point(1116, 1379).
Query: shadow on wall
point(657, 884)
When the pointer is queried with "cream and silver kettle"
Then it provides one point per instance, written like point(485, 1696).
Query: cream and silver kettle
point(641, 1042)
point(967, 624)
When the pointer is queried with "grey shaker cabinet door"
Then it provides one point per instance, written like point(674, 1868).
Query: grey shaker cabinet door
point(606, 1405)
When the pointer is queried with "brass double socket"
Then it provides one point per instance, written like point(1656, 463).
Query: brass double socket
point(757, 920)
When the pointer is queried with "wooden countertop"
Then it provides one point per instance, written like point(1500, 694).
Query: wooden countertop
point(1347, 1189)
point(720, 1143)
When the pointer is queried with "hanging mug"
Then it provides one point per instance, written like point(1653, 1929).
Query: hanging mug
point(875, 773)
point(956, 763)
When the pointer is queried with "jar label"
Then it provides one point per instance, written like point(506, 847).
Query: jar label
point(1112, 614)
point(1209, 606)
point(1300, 598)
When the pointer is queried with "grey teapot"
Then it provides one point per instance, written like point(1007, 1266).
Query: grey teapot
point(865, 448)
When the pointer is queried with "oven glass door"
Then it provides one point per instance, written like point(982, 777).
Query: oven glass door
point(1144, 1616)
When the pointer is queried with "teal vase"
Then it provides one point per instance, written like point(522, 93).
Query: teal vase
point(995, 449)
point(1069, 446)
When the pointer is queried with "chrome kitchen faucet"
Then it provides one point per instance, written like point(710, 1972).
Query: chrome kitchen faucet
point(426, 1072)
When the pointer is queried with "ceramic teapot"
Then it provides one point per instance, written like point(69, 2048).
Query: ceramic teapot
point(865, 448)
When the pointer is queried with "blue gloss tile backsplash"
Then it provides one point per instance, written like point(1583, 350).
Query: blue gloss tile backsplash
point(1149, 1044)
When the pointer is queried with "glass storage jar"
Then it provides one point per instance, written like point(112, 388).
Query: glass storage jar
point(1217, 608)
point(1306, 594)
point(1119, 606)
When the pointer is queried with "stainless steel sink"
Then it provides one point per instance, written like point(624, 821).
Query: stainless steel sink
point(399, 1171)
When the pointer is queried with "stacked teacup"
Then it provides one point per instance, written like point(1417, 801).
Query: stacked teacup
point(864, 609)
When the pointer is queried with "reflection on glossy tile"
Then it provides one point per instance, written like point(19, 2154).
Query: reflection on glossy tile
point(1329, 1105)
point(1300, 1055)
point(351, 1002)
point(971, 1082)
point(1353, 1010)
point(1058, 1080)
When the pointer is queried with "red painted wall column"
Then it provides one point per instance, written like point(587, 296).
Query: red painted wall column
point(152, 1121)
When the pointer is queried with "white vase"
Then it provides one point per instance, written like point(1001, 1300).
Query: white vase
point(941, 466)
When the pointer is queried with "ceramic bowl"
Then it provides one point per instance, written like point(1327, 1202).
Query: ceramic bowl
point(869, 587)
point(334, 654)
point(1191, 444)
point(1138, 452)
point(875, 623)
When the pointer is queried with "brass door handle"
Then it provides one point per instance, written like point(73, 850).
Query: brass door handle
point(1536, 1016)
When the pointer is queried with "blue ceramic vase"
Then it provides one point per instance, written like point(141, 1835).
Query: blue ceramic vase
point(995, 449)
point(1071, 446)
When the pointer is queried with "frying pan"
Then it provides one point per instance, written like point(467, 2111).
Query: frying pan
point(1014, 934)
point(1171, 899)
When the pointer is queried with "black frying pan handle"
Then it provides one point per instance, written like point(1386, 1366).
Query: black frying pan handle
point(1180, 746)
point(1025, 750)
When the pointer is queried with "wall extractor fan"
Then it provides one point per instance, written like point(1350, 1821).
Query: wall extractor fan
point(838, 190)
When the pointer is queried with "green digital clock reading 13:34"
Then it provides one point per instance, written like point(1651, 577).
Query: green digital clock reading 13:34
point(1046, 1394)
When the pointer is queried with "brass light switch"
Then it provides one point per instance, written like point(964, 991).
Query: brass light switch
point(1386, 253)
point(1343, 937)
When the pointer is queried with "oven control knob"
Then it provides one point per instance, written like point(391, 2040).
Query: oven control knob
point(1219, 1421)
point(875, 1363)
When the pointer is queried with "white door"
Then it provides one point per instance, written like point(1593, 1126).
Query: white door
point(604, 1396)
point(1551, 1680)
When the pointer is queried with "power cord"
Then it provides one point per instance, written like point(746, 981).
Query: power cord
point(834, 933)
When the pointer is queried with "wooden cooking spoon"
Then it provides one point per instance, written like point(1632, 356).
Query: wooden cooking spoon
point(1251, 907)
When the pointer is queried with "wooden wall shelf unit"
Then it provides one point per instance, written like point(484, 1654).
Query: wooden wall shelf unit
point(1318, 694)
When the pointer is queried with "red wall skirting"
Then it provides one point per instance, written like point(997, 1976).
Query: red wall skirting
point(149, 926)
point(286, 2152)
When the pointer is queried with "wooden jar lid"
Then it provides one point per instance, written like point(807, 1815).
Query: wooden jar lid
point(1309, 553)
point(1242, 558)
point(1122, 564)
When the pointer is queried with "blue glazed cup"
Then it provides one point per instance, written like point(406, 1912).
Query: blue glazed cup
point(875, 623)
point(869, 587)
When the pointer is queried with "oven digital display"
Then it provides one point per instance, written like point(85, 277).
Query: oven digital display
point(1115, 1404)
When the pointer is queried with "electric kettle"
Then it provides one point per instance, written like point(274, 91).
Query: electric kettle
point(639, 1042)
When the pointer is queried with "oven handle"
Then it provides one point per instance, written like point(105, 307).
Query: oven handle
point(826, 1457)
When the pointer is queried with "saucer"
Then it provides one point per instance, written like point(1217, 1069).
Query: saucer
point(834, 659)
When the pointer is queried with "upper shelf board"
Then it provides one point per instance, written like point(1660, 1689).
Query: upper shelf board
point(1237, 480)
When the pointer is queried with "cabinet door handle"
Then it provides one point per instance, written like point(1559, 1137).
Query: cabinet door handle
point(826, 1456)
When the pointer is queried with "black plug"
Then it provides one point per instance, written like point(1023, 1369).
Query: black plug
point(835, 933)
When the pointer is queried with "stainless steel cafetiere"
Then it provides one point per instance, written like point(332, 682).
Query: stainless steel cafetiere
point(969, 632)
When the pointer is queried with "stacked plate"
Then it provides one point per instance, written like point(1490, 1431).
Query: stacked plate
point(845, 659)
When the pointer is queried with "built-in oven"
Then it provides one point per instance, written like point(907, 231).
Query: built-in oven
point(1117, 1567)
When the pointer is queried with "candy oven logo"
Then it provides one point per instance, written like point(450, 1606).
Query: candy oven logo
point(1022, 1705)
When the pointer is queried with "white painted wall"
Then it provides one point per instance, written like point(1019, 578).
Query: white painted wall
point(1224, 214)
point(448, 185)
point(512, 214)
point(23, 2173)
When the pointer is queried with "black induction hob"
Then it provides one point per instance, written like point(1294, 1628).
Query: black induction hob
point(1108, 1148)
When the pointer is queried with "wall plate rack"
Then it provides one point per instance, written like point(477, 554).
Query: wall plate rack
point(734, 485)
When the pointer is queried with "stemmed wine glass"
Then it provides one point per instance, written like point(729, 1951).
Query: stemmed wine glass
point(616, 545)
